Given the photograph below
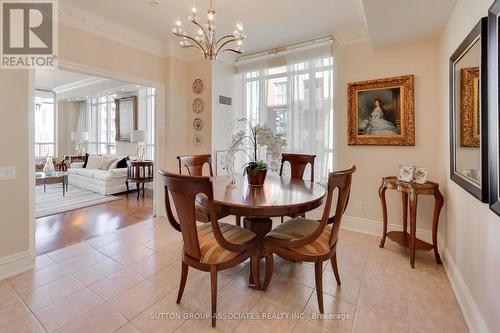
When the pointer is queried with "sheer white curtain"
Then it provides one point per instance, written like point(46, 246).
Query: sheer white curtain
point(293, 95)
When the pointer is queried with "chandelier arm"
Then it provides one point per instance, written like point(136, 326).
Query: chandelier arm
point(191, 39)
point(227, 42)
point(202, 29)
point(226, 36)
point(228, 50)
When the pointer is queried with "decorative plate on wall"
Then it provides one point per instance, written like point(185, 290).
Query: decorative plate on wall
point(197, 124)
point(198, 105)
point(197, 86)
point(197, 140)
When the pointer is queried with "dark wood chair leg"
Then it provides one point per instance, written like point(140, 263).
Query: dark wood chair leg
point(238, 221)
point(318, 273)
point(269, 271)
point(126, 183)
point(282, 219)
point(213, 283)
point(255, 271)
point(335, 268)
point(184, 275)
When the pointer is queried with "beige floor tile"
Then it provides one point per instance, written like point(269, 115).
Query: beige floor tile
point(83, 261)
point(52, 292)
point(43, 261)
point(98, 271)
point(231, 302)
point(309, 326)
point(126, 253)
point(165, 315)
point(427, 286)
point(14, 315)
point(152, 264)
point(272, 319)
point(30, 280)
point(299, 272)
point(135, 300)
point(435, 316)
point(348, 290)
point(203, 325)
point(70, 252)
point(103, 240)
point(65, 311)
point(167, 245)
point(170, 277)
point(289, 295)
point(102, 319)
point(338, 314)
point(129, 328)
point(368, 320)
point(116, 283)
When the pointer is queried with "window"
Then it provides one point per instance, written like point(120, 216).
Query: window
point(102, 125)
point(45, 124)
point(296, 100)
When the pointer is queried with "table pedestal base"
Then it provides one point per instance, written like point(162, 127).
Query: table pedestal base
point(261, 227)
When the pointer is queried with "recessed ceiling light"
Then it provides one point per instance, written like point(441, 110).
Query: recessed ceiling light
point(122, 89)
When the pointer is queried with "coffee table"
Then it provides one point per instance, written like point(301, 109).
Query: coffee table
point(60, 176)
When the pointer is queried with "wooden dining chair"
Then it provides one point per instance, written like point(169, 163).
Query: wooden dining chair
point(194, 165)
point(209, 247)
point(301, 239)
point(298, 164)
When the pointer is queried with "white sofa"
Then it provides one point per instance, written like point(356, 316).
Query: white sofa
point(105, 182)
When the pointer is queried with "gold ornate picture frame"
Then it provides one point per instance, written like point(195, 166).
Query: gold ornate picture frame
point(470, 135)
point(382, 112)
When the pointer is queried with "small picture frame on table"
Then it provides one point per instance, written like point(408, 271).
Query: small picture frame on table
point(405, 173)
point(420, 175)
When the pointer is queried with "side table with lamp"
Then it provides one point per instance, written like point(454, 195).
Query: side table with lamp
point(140, 171)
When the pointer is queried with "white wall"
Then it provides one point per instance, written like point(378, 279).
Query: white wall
point(67, 114)
point(471, 232)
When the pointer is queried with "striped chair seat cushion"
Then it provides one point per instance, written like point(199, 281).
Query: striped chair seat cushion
point(211, 251)
point(298, 228)
point(200, 203)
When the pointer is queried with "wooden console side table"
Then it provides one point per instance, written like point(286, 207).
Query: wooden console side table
point(139, 172)
point(410, 193)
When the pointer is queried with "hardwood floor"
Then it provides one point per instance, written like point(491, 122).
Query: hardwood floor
point(60, 230)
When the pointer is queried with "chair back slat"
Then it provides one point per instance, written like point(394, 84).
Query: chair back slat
point(298, 164)
point(183, 190)
point(194, 164)
point(340, 180)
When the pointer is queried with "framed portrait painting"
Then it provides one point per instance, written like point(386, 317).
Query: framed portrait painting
point(381, 112)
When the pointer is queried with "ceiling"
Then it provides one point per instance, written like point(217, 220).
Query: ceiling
point(396, 21)
point(267, 23)
point(270, 24)
point(74, 86)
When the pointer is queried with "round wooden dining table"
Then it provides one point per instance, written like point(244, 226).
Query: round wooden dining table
point(280, 196)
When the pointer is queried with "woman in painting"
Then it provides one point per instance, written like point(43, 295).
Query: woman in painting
point(377, 124)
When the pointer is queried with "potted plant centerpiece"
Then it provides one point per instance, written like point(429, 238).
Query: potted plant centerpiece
point(248, 138)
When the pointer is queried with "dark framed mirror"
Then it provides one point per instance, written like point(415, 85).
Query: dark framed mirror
point(468, 113)
point(126, 117)
point(493, 106)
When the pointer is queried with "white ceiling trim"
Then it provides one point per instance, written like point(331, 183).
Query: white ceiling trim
point(78, 84)
point(90, 22)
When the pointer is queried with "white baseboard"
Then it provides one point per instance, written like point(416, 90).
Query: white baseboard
point(15, 264)
point(372, 227)
point(469, 308)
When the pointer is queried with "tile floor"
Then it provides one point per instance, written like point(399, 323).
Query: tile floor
point(127, 280)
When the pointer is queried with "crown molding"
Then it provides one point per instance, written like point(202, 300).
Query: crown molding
point(93, 23)
point(78, 84)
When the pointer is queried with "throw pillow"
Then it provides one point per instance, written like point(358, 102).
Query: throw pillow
point(108, 160)
point(95, 162)
point(122, 163)
point(114, 165)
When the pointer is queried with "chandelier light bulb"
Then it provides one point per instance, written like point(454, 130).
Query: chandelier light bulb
point(210, 16)
point(178, 22)
point(193, 9)
point(239, 26)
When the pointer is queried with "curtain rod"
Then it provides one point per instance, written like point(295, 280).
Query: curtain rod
point(283, 50)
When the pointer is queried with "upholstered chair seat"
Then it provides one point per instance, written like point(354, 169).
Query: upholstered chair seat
point(297, 228)
point(210, 250)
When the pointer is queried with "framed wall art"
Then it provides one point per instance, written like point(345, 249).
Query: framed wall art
point(381, 112)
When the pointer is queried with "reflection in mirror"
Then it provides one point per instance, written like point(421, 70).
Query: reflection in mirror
point(468, 153)
point(468, 107)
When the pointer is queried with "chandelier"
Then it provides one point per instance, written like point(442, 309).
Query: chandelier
point(206, 40)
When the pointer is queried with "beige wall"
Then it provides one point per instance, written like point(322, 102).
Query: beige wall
point(14, 151)
point(360, 62)
point(471, 233)
point(201, 69)
point(67, 113)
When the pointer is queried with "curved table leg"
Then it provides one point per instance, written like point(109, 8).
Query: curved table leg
point(381, 193)
point(413, 226)
point(260, 226)
point(405, 214)
point(438, 204)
